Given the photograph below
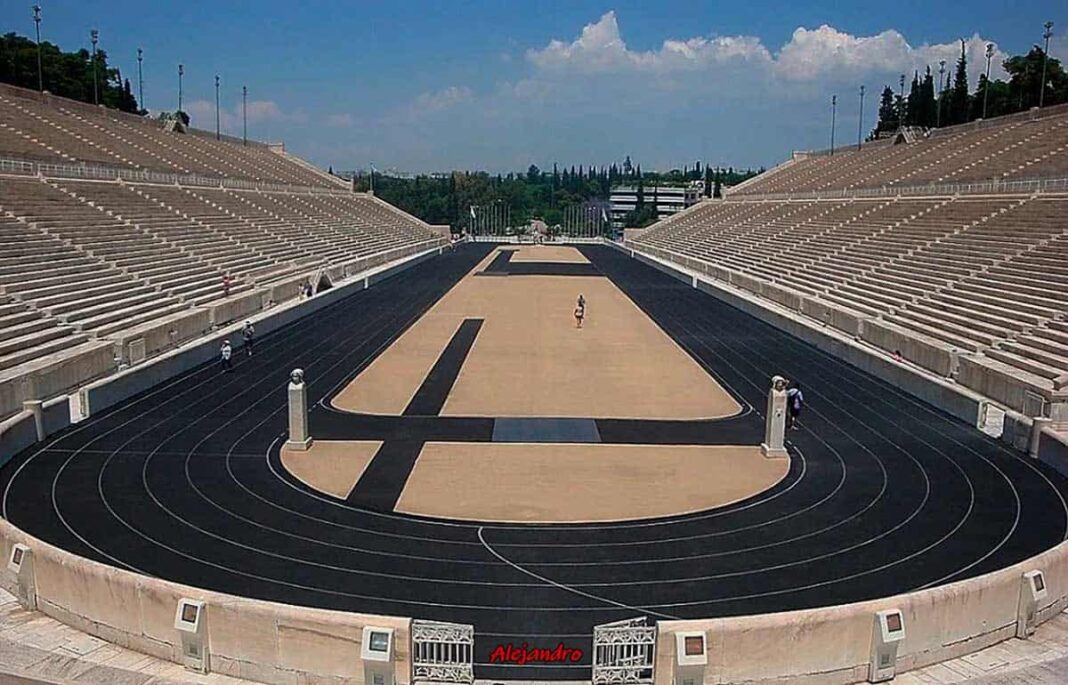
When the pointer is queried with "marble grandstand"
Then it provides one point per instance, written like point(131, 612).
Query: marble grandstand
point(966, 276)
point(1016, 147)
point(116, 237)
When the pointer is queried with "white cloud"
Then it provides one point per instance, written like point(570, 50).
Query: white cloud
point(441, 99)
point(202, 114)
point(600, 48)
point(590, 97)
point(810, 55)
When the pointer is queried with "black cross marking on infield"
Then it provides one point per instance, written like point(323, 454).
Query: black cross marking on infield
point(383, 480)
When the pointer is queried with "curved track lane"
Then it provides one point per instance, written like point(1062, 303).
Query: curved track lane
point(885, 494)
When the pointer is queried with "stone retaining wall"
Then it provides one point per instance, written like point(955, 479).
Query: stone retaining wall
point(52, 378)
point(832, 645)
point(263, 641)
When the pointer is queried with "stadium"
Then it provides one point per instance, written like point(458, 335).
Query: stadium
point(480, 457)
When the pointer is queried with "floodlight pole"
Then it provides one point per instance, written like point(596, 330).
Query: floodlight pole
point(860, 118)
point(834, 111)
point(941, 91)
point(901, 109)
point(218, 131)
point(37, 26)
point(1047, 34)
point(140, 79)
point(181, 72)
point(986, 89)
point(94, 36)
point(244, 115)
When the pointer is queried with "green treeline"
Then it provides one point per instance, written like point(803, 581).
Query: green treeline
point(68, 74)
point(957, 105)
point(536, 193)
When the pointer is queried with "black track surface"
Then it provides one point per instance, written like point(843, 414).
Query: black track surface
point(885, 494)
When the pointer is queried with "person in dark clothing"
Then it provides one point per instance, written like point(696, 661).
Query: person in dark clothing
point(795, 401)
point(247, 333)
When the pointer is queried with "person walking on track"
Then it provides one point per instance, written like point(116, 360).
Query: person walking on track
point(225, 352)
point(580, 314)
point(795, 400)
point(247, 333)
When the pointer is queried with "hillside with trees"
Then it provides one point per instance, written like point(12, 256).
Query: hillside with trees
point(67, 74)
point(923, 106)
point(535, 193)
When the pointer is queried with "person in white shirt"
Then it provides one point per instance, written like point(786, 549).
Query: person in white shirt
point(225, 352)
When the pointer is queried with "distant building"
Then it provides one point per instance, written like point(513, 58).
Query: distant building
point(669, 200)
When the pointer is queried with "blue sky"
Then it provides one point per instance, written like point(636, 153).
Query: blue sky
point(427, 86)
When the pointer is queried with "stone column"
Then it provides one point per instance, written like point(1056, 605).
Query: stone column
point(298, 412)
point(1058, 408)
point(35, 407)
point(775, 430)
point(1037, 424)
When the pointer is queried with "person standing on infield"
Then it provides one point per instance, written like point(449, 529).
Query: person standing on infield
point(247, 334)
point(795, 400)
point(580, 313)
point(225, 352)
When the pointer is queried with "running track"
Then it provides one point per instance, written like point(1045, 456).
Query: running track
point(885, 494)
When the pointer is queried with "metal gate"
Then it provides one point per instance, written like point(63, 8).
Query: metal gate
point(624, 652)
point(442, 652)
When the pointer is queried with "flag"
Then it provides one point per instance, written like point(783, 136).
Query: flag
point(472, 210)
point(604, 217)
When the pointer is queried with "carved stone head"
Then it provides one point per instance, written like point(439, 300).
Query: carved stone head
point(778, 383)
point(296, 376)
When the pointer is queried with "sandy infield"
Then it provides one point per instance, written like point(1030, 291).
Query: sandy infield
point(530, 360)
point(332, 467)
point(551, 483)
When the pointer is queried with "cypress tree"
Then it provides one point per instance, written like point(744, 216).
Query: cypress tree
point(915, 102)
point(929, 109)
point(887, 112)
point(958, 98)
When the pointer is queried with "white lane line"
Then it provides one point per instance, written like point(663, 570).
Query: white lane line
point(566, 588)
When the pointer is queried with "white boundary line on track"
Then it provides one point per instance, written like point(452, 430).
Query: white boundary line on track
point(567, 588)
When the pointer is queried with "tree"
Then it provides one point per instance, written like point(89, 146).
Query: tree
point(887, 113)
point(1025, 73)
point(929, 107)
point(67, 74)
point(914, 104)
point(641, 217)
point(957, 109)
point(445, 199)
